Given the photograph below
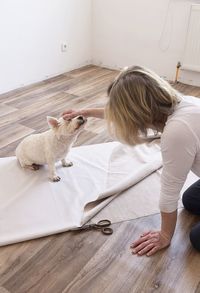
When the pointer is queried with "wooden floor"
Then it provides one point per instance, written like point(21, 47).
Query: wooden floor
point(87, 262)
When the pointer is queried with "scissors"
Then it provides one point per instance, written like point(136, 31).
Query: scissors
point(102, 225)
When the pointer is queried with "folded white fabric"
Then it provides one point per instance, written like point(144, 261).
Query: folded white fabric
point(31, 206)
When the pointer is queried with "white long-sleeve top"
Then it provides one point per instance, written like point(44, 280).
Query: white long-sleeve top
point(180, 148)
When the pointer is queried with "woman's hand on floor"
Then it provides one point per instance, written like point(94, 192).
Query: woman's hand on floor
point(150, 242)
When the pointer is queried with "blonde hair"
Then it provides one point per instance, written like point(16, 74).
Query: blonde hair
point(138, 99)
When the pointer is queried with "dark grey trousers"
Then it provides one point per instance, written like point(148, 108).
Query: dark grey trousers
point(191, 202)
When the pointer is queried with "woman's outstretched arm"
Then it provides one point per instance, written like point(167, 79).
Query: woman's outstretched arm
point(88, 112)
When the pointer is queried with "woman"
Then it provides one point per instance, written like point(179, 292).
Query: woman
point(139, 99)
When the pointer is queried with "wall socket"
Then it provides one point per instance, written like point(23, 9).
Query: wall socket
point(63, 47)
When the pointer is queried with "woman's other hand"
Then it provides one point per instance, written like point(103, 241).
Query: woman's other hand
point(70, 114)
point(150, 242)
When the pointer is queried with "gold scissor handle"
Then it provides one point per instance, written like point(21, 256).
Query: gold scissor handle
point(107, 231)
point(103, 223)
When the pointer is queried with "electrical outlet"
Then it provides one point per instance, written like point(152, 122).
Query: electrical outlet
point(63, 47)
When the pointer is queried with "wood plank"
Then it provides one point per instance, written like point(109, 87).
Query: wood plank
point(187, 89)
point(90, 70)
point(97, 83)
point(3, 290)
point(37, 88)
point(39, 107)
point(10, 134)
point(59, 261)
point(14, 257)
point(4, 110)
point(9, 150)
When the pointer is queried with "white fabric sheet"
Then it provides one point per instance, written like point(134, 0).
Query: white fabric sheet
point(31, 206)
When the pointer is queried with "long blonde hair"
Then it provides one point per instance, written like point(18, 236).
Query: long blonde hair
point(138, 99)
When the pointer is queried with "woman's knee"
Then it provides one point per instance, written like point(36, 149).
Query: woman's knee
point(195, 236)
point(191, 198)
point(186, 199)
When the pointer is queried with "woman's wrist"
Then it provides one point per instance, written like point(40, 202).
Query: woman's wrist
point(168, 224)
point(85, 112)
point(166, 235)
point(93, 112)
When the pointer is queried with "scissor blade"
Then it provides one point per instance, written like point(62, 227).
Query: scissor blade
point(85, 227)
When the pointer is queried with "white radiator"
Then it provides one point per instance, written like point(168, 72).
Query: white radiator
point(191, 59)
